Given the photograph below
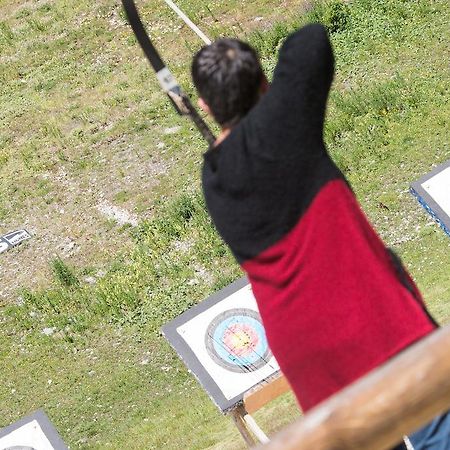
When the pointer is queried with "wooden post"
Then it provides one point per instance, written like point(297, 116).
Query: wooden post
point(245, 423)
point(254, 428)
point(265, 393)
point(253, 400)
point(238, 418)
point(377, 410)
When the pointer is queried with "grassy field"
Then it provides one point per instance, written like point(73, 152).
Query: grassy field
point(94, 162)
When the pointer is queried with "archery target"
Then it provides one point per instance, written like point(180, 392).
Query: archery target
point(10, 240)
point(229, 341)
point(236, 340)
point(433, 193)
point(34, 432)
point(438, 187)
point(29, 436)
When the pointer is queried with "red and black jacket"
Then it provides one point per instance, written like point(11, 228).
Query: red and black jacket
point(334, 302)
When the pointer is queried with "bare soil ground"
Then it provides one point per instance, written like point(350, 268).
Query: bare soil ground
point(82, 215)
point(84, 226)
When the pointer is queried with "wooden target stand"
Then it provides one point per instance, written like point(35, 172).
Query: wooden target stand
point(254, 400)
point(186, 333)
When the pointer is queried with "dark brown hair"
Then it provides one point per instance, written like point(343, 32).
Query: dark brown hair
point(228, 76)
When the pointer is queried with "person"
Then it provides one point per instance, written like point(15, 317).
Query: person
point(335, 302)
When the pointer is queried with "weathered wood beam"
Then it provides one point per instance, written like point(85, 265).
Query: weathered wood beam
point(377, 410)
point(264, 393)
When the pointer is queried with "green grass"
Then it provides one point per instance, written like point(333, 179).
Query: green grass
point(81, 112)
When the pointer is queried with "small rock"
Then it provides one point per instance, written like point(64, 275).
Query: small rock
point(172, 130)
point(120, 215)
point(90, 280)
point(48, 331)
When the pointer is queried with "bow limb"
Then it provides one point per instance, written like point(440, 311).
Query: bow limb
point(166, 79)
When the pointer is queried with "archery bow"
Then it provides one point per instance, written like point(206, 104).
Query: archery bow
point(167, 81)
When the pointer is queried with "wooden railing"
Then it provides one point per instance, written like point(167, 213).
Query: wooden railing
point(379, 409)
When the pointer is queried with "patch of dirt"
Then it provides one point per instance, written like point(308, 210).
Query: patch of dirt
point(265, 15)
point(83, 224)
point(82, 219)
point(117, 214)
point(15, 7)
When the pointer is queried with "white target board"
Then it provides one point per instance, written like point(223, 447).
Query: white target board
point(12, 239)
point(223, 343)
point(433, 193)
point(34, 432)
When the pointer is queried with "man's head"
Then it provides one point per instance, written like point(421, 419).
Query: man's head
point(229, 80)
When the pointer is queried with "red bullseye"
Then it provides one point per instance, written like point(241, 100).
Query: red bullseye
point(235, 340)
point(241, 339)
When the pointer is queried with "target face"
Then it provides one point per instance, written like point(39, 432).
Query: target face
point(223, 343)
point(236, 341)
point(34, 432)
